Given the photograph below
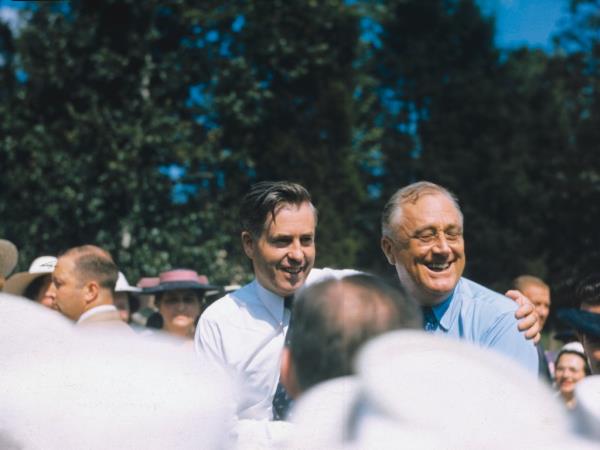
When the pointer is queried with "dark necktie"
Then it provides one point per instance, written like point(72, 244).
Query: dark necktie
point(282, 402)
point(429, 320)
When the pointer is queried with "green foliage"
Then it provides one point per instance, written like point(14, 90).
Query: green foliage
point(108, 93)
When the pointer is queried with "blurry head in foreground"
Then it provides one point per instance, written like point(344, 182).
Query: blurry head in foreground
point(536, 290)
point(417, 390)
point(35, 284)
point(333, 319)
point(67, 389)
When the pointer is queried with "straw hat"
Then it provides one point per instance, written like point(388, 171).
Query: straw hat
point(180, 279)
point(8, 257)
point(17, 283)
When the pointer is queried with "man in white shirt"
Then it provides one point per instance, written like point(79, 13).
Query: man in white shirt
point(245, 330)
point(83, 282)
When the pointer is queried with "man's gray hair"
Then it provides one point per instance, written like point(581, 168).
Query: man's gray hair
point(410, 194)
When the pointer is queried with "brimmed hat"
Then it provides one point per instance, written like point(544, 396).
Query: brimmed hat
point(18, 283)
point(584, 321)
point(124, 286)
point(180, 279)
point(8, 257)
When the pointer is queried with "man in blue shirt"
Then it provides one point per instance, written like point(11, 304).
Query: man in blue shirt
point(422, 236)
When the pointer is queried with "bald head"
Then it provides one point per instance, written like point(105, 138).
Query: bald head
point(94, 263)
point(334, 318)
point(84, 277)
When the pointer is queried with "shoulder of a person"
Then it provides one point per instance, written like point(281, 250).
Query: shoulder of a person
point(229, 303)
point(486, 298)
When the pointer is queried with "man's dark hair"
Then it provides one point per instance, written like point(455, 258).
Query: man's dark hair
point(95, 263)
point(334, 318)
point(588, 290)
point(266, 197)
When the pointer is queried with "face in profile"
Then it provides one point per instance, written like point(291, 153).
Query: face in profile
point(427, 248)
point(284, 254)
point(67, 288)
point(180, 309)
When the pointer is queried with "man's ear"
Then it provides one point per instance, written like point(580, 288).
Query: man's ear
point(287, 374)
point(91, 291)
point(248, 244)
point(387, 247)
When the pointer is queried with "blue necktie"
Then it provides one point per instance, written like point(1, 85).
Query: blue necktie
point(430, 322)
point(282, 402)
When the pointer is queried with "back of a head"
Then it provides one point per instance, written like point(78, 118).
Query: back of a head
point(410, 194)
point(94, 263)
point(266, 197)
point(334, 318)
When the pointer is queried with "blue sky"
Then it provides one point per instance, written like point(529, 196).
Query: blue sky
point(519, 22)
point(525, 22)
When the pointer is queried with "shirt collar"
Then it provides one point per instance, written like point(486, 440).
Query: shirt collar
point(96, 310)
point(272, 302)
point(447, 312)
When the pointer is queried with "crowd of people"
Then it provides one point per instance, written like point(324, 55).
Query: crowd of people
point(305, 357)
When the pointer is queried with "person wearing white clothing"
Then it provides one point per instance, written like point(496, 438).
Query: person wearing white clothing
point(244, 332)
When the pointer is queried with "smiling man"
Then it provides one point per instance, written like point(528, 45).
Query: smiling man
point(244, 331)
point(422, 236)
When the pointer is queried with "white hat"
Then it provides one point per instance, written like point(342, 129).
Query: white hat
point(17, 284)
point(112, 388)
point(8, 257)
point(574, 347)
point(124, 286)
point(587, 407)
point(418, 391)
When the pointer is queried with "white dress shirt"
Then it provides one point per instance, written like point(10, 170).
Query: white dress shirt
point(244, 332)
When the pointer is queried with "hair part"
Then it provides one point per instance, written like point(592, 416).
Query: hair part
point(411, 194)
point(94, 263)
point(268, 197)
point(334, 318)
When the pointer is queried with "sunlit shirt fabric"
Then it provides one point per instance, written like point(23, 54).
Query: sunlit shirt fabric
point(479, 315)
point(244, 332)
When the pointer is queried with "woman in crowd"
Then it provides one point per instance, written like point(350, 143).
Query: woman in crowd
point(35, 283)
point(571, 366)
point(179, 298)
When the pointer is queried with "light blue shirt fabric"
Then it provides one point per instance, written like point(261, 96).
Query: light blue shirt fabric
point(479, 315)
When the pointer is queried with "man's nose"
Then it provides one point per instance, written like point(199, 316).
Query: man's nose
point(441, 244)
point(295, 251)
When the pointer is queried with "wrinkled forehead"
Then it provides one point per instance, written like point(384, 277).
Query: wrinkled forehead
point(429, 208)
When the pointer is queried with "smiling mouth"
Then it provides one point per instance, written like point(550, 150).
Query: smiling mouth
point(293, 270)
point(438, 267)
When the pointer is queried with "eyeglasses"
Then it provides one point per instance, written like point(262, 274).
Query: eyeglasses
point(431, 236)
